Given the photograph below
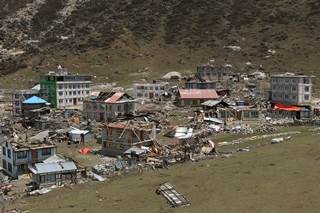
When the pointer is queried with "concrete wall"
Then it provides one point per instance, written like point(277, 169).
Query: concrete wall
point(72, 93)
point(150, 91)
point(101, 111)
point(24, 162)
point(291, 90)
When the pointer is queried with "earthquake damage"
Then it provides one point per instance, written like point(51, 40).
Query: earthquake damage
point(63, 132)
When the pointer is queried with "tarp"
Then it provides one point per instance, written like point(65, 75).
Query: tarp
point(287, 108)
point(84, 151)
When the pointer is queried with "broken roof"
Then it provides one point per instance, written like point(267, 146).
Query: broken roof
point(113, 97)
point(198, 94)
point(130, 125)
point(76, 131)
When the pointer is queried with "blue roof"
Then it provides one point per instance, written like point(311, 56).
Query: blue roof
point(35, 100)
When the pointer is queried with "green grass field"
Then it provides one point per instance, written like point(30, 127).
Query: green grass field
point(270, 178)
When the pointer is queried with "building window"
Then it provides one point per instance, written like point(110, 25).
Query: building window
point(9, 153)
point(60, 101)
point(42, 178)
point(22, 167)
point(60, 86)
point(46, 151)
point(74, 92)
point(9, 167)
point(306, 97)
point(87, 85)
point(294, 88)
point(60, 93)
point(4, 151)
point(306, 89)
point(70, 93)
point(294, 97)
point(286, 97)
point(22, 155)
point(87, 92)
point(119, 107)
point(306, 81)
point(4, 164)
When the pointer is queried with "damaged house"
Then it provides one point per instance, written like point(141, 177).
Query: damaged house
point(119, 137)
point(200, 83)
point(212, 72)
point(34, 107)
point(150, 90)
point(107, 106)
point(19, 96)
point(17, 157)
point(194, 97)
point(53, 173)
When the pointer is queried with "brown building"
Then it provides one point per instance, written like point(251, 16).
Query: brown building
point(119, 137)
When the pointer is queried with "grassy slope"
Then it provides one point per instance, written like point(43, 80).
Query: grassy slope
point(117, 39)
point(272, 178)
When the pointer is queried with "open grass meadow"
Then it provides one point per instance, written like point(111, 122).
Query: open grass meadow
point(270, 178)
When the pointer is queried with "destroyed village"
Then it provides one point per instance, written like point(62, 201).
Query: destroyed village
point(159, 106)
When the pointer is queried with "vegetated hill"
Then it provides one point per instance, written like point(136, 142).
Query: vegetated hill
point(124, 40)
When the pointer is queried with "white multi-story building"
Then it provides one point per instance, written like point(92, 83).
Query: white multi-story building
point(291, 89)
point(64, 90)
point(150, 90)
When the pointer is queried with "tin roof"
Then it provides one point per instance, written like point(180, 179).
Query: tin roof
point(198, 94)
point(41, 168)
point(115, 97)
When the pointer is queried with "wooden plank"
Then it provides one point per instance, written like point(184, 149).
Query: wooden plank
point(175, 198)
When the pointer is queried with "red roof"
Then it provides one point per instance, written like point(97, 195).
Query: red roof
point(198, 94)
point(116, 97)
point(287, 108)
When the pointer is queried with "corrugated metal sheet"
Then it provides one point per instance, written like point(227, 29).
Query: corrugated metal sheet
point(198, 94)
point(40, 168)
point(116, 97)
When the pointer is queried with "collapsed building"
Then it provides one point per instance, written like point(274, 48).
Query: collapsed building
point(108, 106)
point(212, 72)
point(18, 157)
point(200, 83)
point(150, 90)
point(18, 97)
point(119, 137)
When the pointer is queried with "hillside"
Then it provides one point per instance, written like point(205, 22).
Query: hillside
point(144, 39)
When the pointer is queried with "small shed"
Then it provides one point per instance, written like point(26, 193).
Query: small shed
point(77, 135)
point(44, 174)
